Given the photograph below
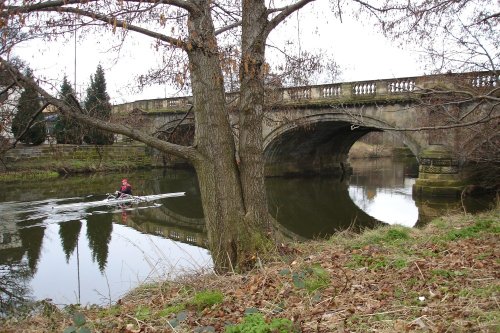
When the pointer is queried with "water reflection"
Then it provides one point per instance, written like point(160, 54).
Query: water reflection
point(377, 186)
point(315, 207)
point(69, 233)
point(99, 230)
point(102, 252)
point(69, 249)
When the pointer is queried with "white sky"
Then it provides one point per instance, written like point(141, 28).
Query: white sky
point(361, 52)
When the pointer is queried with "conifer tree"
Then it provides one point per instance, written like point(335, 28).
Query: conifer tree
point(97, 105)
point(66, 129)
point(28, 105)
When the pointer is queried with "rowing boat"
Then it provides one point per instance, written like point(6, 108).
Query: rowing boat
point(111, 200)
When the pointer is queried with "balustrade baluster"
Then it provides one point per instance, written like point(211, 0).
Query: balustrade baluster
point(479, 80)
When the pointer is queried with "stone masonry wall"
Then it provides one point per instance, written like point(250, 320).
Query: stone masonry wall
point(79, 158)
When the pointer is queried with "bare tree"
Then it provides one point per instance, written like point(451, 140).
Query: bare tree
point(200, 40)
point(232, 184)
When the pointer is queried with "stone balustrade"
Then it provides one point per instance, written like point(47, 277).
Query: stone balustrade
point(344, 92)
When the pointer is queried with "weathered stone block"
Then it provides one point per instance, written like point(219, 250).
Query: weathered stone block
point(439, 173)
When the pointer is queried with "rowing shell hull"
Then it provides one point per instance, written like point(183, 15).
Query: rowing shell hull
point(144, 198)
point(113, 201)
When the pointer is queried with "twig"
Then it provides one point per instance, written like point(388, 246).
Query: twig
point(173, 328)
point(230, 263)
point(138, 322)
point(109, 288)
point(325, 300)
point(422, 275)
point(381, 313)
point(484, 279)
point(462, 195)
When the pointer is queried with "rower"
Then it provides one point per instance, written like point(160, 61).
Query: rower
point(125, 189)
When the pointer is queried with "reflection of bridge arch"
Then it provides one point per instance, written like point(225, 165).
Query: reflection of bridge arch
point(321, 208)
point(166, 216)
point(165, 223)
point(300, 211)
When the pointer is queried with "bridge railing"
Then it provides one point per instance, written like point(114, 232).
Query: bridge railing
point(336, 91)
point(390, 87)
point(351, 89)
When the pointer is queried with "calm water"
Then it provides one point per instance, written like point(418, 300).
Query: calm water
point(51, 247)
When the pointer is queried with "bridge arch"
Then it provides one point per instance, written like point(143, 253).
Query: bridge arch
point(185, 126)
point(320, 143)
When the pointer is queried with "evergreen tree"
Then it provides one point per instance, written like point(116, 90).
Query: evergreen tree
point(29, 103)
point(97, 105)
point(67, 129)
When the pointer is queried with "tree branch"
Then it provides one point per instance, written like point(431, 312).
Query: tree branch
point(284, 13)
point(119, 23)
point(496, 15)
point(59, 3)
point(485, 119)
point(188, 153)
point(28, 125)
point(228, 27)
point(7, 88)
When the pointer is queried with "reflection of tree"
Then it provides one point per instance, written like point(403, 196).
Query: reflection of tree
point(180, 181)
point(14, 289)
point(375, 173)
point(371, 193)
point(32, 239)
point(69, 232)
point(99, 228)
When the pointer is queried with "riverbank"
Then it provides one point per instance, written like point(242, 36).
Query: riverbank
point(36, 162)
point(362, 150)
point(444, 277)
point(46, 161)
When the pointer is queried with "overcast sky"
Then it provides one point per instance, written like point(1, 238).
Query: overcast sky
point(360, 51)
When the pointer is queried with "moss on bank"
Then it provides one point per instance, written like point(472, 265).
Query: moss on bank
point(52, 170)
point(8, 177)
point(70, 159)
point(444, 277)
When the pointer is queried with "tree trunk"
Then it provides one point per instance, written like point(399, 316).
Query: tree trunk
point(217, 171)
point(252, 75)
point(234, 203)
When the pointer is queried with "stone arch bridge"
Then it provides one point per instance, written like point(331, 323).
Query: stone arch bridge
point(310, 129)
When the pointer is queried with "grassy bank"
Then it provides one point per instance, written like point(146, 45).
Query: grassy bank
point(6, 177)
point(443, 278)
point(71, 159)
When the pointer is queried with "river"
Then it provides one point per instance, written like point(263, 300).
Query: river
point(52, 248)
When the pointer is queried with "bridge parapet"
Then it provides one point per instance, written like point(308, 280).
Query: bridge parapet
point(357, 91)
point(387, 88)
point(155, 105)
